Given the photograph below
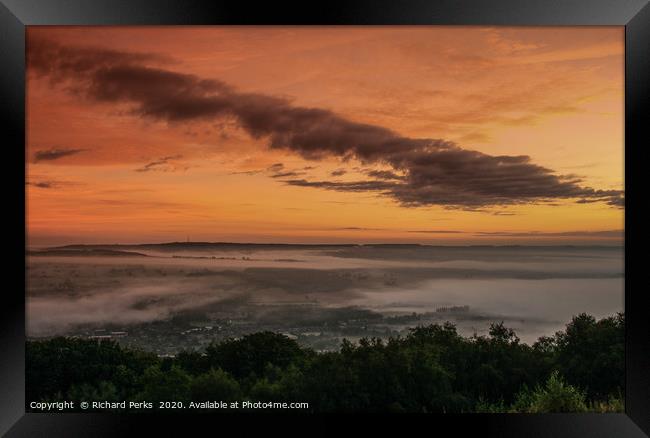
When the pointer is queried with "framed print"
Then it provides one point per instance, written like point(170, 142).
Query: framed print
point(418, 212)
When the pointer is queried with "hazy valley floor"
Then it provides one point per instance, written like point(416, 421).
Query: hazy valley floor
point(165, 298)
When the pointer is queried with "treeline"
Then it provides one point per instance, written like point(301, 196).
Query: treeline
point(432, 369)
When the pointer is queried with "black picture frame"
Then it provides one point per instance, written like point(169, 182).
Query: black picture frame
point(16, 14)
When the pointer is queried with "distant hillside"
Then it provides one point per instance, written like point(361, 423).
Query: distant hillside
point(84, 252)
point(193, 246)
point(199, 246)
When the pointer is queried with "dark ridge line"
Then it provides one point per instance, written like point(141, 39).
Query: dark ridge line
point(321, 245)
point(93, 252)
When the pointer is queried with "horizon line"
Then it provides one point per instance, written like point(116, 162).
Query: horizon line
point(613, 245)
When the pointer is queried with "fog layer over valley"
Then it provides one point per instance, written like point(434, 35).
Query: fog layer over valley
point(177, 296)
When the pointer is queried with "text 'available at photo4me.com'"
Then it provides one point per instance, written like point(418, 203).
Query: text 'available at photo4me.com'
point(153, 406)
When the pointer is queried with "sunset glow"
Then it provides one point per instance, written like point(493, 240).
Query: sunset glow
point(325, 135)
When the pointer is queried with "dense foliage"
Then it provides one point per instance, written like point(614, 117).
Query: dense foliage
point(433, 369)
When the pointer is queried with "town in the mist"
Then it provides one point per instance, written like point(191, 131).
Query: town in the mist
point(171, 297)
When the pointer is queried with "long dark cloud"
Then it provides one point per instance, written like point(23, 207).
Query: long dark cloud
point(435, 171)
point(60, 62)
point(54, 154)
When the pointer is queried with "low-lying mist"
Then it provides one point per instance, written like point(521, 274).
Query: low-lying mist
point(534, 289)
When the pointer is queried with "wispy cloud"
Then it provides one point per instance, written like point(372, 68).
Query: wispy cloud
point(358, 229)
point(275, 167)
point(55, 154)
point(437, 231)
point(604, 233)
point(43, 184)
point(50, 184)
point(352, 186)
point(160, 164)
point(286, 174)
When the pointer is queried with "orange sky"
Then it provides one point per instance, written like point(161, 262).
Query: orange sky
point(108, 161)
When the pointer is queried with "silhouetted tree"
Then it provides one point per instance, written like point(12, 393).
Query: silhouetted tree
point(432, 369)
